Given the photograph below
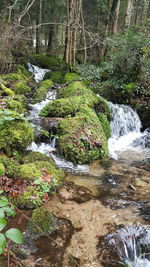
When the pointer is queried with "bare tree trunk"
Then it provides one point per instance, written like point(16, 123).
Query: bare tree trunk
point(128, 15)
point(107, 24)
point(38, 32)
point(115, 13)
point(73, 17)
point(51, 38)
point(148, 10)
point(83, 32)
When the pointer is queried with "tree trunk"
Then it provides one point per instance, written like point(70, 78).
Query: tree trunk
point(115, 14)
point(38, 25)
point(51, 38)
point(73, 17)
point(107, 25)
point(128, 15)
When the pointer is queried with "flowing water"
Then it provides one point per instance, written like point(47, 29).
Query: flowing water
point(112, 181)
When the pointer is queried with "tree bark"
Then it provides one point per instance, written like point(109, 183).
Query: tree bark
point(115, 15)
point(73, 17)
point(38, 25)
point(128, 15)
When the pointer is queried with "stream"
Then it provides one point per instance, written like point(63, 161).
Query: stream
point(118, 209)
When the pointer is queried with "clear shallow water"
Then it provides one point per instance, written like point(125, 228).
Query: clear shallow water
point(126, 139)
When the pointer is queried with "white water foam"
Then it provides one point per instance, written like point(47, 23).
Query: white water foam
point(125, 131)
point(37, 71)
point(48, 149)
point(36, 108)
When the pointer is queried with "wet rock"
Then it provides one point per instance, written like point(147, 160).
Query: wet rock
point(126, 246)
point(70, 191)
point(106, 164)
point(111, 179)
point(144, 210)
point(139, 183)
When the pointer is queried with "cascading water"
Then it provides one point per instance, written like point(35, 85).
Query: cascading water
point(48, 148)
point(125, 131)
point(131, 245)
point(37, 71)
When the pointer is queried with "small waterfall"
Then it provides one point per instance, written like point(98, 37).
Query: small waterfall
point(131, 245)
point(36, 108)
point(49, 148)
point(125, 131)
point(37, 71)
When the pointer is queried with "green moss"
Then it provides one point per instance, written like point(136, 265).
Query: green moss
point(50, 62)
point(82, 139)
point(70, 77)
point(2, 169)
point(143, 110)
point(21, 88)
point(105, 124)
point(6, 91)
point(34, 170)
point(29, 171)
point(103, 107)
point(41, 221)
point(36, 156)
point(15, 135)
point(15, 105)
point(74, 89)
point(42, 90)
point(29, 199)
point(67, 106)
point(57, 77)
point(44, 178)
point(130, 88)
point(4, 160)
point(12, 77)
point(23, 71)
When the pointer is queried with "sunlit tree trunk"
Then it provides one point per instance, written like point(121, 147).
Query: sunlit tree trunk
point(128, 15)
point(73, 17)
point(115, 16)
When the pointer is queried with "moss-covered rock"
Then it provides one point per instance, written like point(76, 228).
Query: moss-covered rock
point(143, 110)
point(42, 89)
point(2, 169)
point(6, 91)
point(55, 76)
point(105, 124)
point(15, 105)
point(35, 170)
point(28, 199)
point(82, 139)
point(74, 89)
point(21, 87)
point(43, 178)
point(70, 77)
point(50, 62)
point(28, 172)
point(67, 106)
point(101, 106)
point(23, 71)
point(41, 221)
point(36, 156)
point(15, 132)
point(4, 159)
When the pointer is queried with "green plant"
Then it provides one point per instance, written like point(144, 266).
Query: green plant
point(13, 234)
point(8, 115)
